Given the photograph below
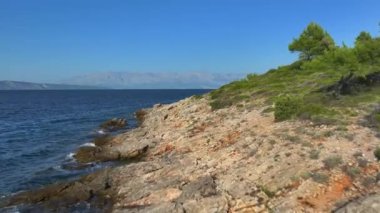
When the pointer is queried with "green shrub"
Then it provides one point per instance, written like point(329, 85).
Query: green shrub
point(268, 110)
point(377, 117)
point(308, 78)
point(320, 177)
point(328, 133)
point(305, 175)
point(377, 153)
point(292, 138)
point(317, 113)
point(314, 154)
point(306, 144)
point(362, 162)
point(351, 171)
point(197, 96)
point(268, 192)
point(220, 104)
point(252, 77)
point(332, 161)
point(287, 107)
point(224, 100)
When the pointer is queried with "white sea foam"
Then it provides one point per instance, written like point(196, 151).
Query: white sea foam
point(101, 132)
point(59, 167)
point(70, 156)
point(11, 209)
point(88, 144)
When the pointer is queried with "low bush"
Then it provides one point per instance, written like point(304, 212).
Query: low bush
point(362, 162)
point(320, 177)
point(353, 172)
point(220, 104)
point(374, 119)
point(317, 113)
point(332, 162)
point(224, 100)
point(377, 117)
point(314, 154)
point(377, 153)
point(287, 107)
point(268, 192)
point(197, 97)
point(292, 138)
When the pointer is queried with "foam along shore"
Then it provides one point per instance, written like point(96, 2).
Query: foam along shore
point(187, 158)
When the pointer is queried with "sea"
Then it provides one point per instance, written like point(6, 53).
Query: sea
point(40, 130)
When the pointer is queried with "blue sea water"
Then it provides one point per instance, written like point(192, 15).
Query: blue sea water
point(39, 129)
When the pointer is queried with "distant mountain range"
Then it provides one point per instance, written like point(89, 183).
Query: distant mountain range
point(155, 80)
point(132, 80)
point(18, 85)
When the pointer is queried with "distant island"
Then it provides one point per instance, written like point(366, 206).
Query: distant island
point(131, 80)
point(155, 80)
point(19, 85)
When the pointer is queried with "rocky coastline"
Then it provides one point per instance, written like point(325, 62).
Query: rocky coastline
point(184, 157)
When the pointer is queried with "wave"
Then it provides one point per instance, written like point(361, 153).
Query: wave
point(101, 132)
point(70, 156)
point(88, 144)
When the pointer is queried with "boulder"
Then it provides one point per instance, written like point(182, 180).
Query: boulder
point(114, 124)
point(140, 116)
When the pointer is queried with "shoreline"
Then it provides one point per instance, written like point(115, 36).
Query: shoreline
point(185, 157)
point(78, 194)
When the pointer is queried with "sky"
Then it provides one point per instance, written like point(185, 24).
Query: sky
point(49, 40)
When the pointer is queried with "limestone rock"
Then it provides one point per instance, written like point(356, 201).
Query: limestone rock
point(369, 204)
point(114, 124)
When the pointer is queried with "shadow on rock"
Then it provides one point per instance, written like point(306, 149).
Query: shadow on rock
point(114, 124)
point(95, 190)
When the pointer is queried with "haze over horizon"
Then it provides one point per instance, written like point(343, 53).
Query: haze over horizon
point(154, 80)
point(50, 41)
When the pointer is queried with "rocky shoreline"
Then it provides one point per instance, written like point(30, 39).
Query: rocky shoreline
point(187, 158)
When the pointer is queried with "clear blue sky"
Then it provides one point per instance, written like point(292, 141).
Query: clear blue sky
point(47, 40)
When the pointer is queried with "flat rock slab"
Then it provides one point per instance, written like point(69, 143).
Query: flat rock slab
point(369, 204)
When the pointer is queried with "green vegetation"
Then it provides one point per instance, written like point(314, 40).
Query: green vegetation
point(314, 154)
point(377, 153)
point(374, 119)
point(286, 107)
point(268, 192)
point(292, 138)
point(313, 41)
point(325, 85)
point(377, 117)
point(332, 162)
point(320, 177)
point(353, 172)
point(197, 97)
point(362, 162)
